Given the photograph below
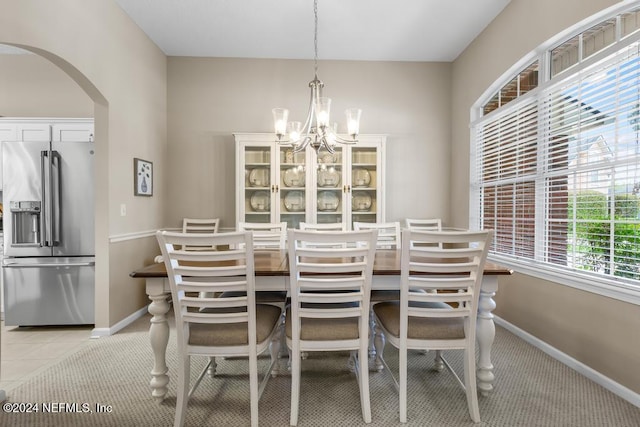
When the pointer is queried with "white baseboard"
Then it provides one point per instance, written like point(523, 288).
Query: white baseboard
point(595, 376)
point(105, 332)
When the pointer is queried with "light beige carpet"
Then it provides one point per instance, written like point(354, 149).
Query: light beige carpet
point(531, 389)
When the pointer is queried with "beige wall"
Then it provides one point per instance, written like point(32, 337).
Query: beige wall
point(31, 86)
point(210, 98)
point(597, 331)
point(423, 107)
point(124, 74)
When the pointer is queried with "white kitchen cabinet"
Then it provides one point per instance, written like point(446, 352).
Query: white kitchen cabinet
point(72, 131)
point(7, 133)
point(274, 184)
point(42, 129)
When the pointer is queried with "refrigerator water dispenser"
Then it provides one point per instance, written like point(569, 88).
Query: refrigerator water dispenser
point(25, 217)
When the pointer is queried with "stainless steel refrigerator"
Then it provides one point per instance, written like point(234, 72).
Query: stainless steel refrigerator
point(49, 264)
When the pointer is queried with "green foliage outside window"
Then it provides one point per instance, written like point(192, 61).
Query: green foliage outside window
point(597, 238)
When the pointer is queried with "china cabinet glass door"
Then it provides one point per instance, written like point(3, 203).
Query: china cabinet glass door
point(330, 187)
point(258, 187)
point(365, 185)
point(291, 190)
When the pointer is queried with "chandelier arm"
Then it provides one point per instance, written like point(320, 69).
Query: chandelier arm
point(306, 128)
point(303, 145)
point(328, 146)
point(345, 141)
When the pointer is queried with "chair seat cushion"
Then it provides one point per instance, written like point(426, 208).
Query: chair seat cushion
point(261, 296)
point(324, 329)
point(388, 316)
point(229, 334)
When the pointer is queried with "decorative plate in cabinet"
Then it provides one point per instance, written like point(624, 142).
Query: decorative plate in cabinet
point(260, 201)
point(328, 201)
point(294, 201)
point(360, 177)
point(293, 177)
point(259, 177)
point(328, 177)
point(361, 202)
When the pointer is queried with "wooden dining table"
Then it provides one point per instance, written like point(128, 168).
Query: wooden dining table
point(272, 274)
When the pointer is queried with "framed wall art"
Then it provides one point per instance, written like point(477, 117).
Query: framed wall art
point(142, 177)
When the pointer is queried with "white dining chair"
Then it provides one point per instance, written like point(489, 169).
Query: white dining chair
point(329, 226)
point(439, 292)
point(200, 225)
point(388, 238)
point(214, 326)
point(423, 224)
point(266, 235)
point(329, 311)
point(324, 227)
point(388, 233)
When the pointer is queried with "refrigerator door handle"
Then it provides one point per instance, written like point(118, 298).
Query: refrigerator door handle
point(49, 265)
point(55, 198)
point(45, 219)
point(50, 164)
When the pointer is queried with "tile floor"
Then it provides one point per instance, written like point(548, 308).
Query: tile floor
point(27, 351)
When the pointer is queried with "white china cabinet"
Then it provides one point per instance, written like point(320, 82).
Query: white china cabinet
point(274, 184)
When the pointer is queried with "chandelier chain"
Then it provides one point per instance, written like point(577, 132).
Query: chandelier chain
point(315, 37)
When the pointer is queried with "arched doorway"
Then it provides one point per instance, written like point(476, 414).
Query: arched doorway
point(44, 85)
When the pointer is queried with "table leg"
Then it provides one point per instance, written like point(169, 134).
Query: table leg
point(159, 337)
point(485, 334)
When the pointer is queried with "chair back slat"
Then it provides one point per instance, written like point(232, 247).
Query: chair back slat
point(266, 235)
point(200, 226)
point(388, 233)
point(331, 226)
point(222, 270)
point(324, 228)
point(430, 224)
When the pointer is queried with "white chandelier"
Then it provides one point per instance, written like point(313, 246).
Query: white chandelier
point(316, 130)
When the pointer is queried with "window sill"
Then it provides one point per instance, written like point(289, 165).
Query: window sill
point(611, 288)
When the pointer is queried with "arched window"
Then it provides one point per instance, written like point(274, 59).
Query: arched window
point(556, 159)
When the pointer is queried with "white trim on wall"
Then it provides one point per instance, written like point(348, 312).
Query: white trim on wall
point(117, 238)
point(131, 236)
point(105, 332)
point(610, 288)
point(595, 376)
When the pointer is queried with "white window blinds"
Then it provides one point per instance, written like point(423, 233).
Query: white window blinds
point(557, 174)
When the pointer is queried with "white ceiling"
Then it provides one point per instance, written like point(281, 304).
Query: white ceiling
point(376, 30)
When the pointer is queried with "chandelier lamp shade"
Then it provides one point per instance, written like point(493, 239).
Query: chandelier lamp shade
point(317, 130)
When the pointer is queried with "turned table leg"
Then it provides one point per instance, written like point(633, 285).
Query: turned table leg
point(485, 334)
point(159, 337)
